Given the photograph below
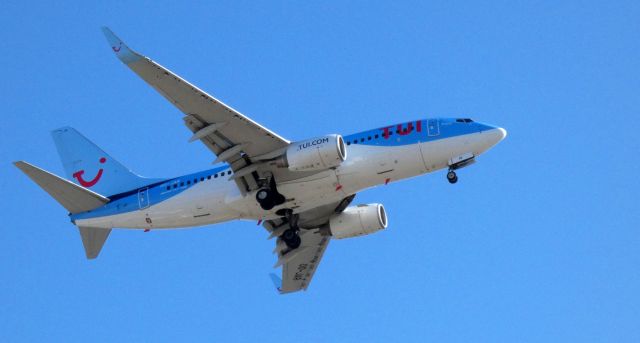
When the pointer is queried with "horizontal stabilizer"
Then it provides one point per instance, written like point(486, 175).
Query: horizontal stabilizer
point(74, 198)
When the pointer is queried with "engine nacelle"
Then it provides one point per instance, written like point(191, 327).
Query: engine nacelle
point(319, 153)
point(358, 220)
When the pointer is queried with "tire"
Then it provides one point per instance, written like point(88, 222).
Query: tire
point(294, 242)
point(451, 175)
point(267, 205)
point(262, 195)
point(289, 234)
point(266, 199)
point(291, 238)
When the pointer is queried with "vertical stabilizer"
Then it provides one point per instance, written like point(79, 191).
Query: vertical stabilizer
point(93, 239)
point(90, 167)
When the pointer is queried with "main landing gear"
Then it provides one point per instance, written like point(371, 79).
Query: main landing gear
point(268, 197)
point(452, 177)
point(291, 236)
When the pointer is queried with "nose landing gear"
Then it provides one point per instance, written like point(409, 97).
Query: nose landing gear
point(452, 177)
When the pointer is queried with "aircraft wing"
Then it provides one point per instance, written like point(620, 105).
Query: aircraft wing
point(300, 265)
point(225, 131)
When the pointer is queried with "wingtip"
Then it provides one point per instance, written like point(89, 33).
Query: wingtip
point(277, 281)
point(124, 53)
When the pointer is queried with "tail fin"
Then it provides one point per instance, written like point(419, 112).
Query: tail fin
point(93, 239)
point(75, 199)
point(89, 166)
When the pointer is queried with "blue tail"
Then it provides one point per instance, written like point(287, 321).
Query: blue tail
point(90, 167)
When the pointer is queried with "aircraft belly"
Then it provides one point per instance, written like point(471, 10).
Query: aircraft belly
point(368, 165)
point(316, 188)
point(201, 204)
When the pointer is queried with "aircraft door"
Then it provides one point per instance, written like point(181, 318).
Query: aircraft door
point(143, 198)
point(433, 127)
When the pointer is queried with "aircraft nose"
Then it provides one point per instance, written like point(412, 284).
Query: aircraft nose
point(495, 135)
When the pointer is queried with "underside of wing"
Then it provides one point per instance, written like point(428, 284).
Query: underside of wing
point(299, 265)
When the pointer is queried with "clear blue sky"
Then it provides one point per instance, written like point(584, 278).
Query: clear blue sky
point(538, 242)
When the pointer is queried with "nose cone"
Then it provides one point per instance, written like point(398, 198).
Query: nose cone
point(490, 136)
point(495, 135)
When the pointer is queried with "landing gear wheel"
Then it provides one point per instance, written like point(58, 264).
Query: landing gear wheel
point(262, 195)
point(268, 197)
point(291, 238)
point(265, 198)
point(452, 177)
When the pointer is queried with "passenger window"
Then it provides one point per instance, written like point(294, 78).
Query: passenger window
point(215, 176)
point(195, 180)
point(202, 179)
point(369, 138)
point(377, 136)
point(181, 184)
point(209, 177)
point(361, 140)
point(175, 185)
point(188, 182)
point(348, 143)
point(168, 187)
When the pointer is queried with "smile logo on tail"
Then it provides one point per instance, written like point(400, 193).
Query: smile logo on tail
point(118, 48)
point(78, 176)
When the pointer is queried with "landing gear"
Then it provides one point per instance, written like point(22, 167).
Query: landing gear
point(452, 177)
point(290, 236)
point(265, 198)
point(269, 197)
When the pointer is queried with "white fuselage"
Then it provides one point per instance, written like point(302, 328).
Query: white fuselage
point(218, 200)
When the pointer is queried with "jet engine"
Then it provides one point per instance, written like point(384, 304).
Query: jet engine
point(319, 153)
point(358, 220)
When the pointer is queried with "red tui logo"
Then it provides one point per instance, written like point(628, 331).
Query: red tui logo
point(78, 176)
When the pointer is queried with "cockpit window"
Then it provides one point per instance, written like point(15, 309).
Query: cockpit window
point(464, 120)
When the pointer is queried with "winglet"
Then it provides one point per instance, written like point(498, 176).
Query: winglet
point(123, 52)
point(277, 281)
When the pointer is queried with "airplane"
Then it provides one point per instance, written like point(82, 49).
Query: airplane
point(300, 191)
